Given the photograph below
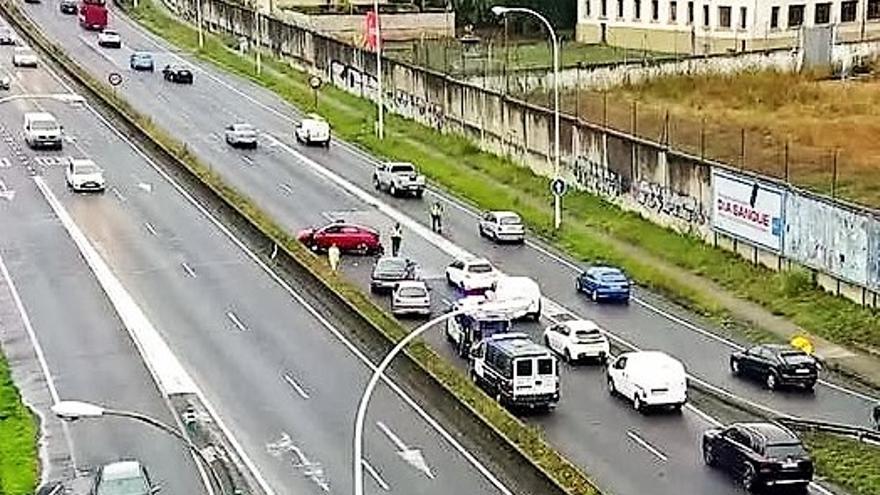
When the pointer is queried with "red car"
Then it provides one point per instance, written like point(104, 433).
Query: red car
point(347, 237)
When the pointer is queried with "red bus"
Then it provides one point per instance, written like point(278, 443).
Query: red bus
point(93, 14)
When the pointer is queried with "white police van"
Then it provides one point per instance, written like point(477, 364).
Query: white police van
point(516, 371)
point(474, 325)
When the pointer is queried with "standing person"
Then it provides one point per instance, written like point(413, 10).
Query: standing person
point(333, 256)
point(396, 237)
point(436, 217)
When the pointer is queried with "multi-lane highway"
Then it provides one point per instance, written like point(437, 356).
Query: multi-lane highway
point(278, 373)
point(299, 186)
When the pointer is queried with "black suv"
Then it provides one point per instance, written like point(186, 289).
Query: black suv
point(776, 365)
point(759, 455)
point(177, 74)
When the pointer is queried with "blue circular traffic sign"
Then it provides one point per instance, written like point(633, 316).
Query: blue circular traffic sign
point(558, 186)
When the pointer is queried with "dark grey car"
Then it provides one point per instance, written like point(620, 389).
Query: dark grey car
point(389, 270)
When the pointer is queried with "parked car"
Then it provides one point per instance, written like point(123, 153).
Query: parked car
point(84, 175)
point(241, 134)
point(502, 226)
point(6, 37)
point(604, 283)
point(648, 379)
point(110, 38)
point(141, 61)
point(68, 7)
point(472, 275)
point(759, 455)
point(123, 478)
point(5, 83)
point(23, 56)
point(177, 74)
point(399, 178)
point(776, 365)
point(522, 289)
point(411, 297)
point(313, 130)
point(348, 237)
point(577, 340)
point(388, 271)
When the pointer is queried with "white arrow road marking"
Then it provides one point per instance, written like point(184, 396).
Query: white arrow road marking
point(288, 377)
point(5, 192)
point(647, 446)
point(413, 457)
point(375, 475)
point(310, 469)
point(145, 186)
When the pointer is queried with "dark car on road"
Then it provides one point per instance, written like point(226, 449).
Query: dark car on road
point(776, 365)
point(759, 455)
point(603, 283)
point(390, 270)
point(177, 74)
point(348, 237)
point(68, 7)
point(141, 61)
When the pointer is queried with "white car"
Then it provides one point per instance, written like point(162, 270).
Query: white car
point(577, 340)
point(501, 226)
point(648, 379)
point(23, 56)
point(411, 297)
point(313, 129)
point(241, 134)
point(84, 175)
point(110, 39)
point(473, 274)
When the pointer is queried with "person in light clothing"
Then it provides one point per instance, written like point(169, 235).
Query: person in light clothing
point(333, 255)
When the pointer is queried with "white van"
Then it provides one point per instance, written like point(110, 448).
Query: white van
point(648, 379)
point(519, 288)
point(42, 130)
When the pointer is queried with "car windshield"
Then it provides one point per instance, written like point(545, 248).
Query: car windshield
point(784, 450)
point(123, 486)
point(142, 56)
point(511, 220)
point(587, 334)
point(44, 125)
point(612, 277)
point(402, 169)
point(796, 358)
point(413, 292)
point(110, 32)
point(480, 268)
point(394, 265)
point(86, 168)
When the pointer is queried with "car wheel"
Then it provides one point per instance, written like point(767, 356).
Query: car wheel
point(362, 249)
point(637, 403)
point(393, 190)
point(420, 193)
point(594, 295)
point(577, 285)
point(612, 390)
point(376, 184)
point(567, 355)
point(772, 382)
point(708, 455)
point(449, 279)
point(734, 367)
point(748, 477)
point(810, 387)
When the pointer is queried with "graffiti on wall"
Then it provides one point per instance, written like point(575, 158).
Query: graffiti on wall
point(414, 107)
point(659, 198)
point(597, 179)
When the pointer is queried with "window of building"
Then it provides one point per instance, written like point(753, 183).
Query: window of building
point(823, 13)
point(673, 11)
point(743, 13)
point(774, 17)
point(873, 9)
point(587, 8)
point(620, 9)
point(723, 16)
point(655, 9)
point(690, 12)
point(848, 11)
point(795, 15)
point(706, 15)
point(638, 9)
point(603, 9)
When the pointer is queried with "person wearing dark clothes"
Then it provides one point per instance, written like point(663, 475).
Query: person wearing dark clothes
point(396, 237)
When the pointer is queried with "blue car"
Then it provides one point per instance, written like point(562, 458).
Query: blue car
point(141, 61)
point(604, 283)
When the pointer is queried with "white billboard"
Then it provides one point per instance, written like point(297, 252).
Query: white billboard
point(746, 208)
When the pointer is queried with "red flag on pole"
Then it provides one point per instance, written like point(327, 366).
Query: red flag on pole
point(372, 22)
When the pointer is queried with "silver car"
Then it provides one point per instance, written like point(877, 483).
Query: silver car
point(411, 298)
point(241, 135)
point(123, 478)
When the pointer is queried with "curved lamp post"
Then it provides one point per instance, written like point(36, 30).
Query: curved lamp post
point(501, 11)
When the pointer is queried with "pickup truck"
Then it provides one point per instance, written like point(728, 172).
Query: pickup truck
point(399, 178)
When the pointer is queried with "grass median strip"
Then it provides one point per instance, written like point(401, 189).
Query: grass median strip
point(853, 465)
point(527, 440)
point(656, 257)
point(18, 439)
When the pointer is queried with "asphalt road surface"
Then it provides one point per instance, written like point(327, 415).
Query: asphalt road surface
point(302, 186)
point(280, 376)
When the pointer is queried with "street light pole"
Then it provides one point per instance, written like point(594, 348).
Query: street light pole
point(500, 10)
point(73, 410)
point(199, 23)
point(259, 39)
point(381, 96)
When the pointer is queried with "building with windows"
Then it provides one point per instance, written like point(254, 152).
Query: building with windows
point(716, 26)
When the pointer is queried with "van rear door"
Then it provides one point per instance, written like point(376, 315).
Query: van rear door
point(535, 376)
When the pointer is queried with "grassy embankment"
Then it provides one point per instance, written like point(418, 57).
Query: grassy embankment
point(852, 465)
point(18, 439)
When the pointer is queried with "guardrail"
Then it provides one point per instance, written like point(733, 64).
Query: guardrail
point(859, 433)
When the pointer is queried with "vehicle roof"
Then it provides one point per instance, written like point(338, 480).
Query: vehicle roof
point(22, 49)
point(604, 269)
point(780, 348)
point(504, 213)
point(389, 164)
point(241, 124)
point(474, 261)
point(109, 30)
point(772, 433)
point(576, 325)
point(39, 116)
point(314, 116)
point(121, 470)
point(517, 345)
point(82, 161)
point(141, 53)
point(651, 357)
